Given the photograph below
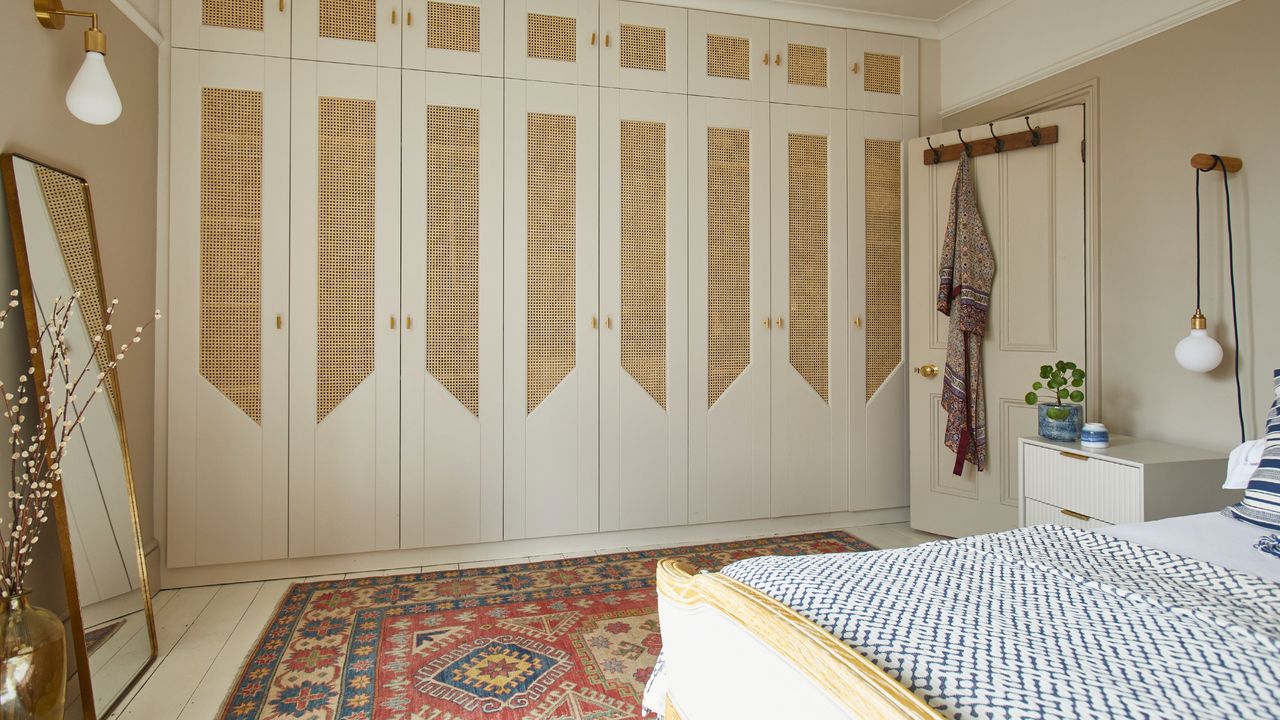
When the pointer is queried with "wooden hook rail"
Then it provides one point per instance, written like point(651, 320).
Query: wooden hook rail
point(1205, 161)
point(987, 145)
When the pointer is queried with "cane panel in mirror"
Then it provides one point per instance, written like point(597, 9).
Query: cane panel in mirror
point(113, 629)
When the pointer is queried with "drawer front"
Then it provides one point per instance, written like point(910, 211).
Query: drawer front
point(1109, 491)
point(1038, 513)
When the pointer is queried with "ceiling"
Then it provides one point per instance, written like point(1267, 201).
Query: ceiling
point(914, 9)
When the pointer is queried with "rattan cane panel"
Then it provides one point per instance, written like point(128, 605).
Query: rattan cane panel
point(643, 325)
point(231, 245)
point(345, 249)
point(728, 57)
point(643, 47)
point(882, 73)
point(238, 14)
point(552, 37)
point(884, 260)
point(451, 26)
point(728, 258)
point(806, 65)
point(349, 20)
point(453, 251)
point(552, 182)
point(65, 198)
point(807, 257)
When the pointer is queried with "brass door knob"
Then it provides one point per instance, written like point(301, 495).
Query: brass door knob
point(928, 370)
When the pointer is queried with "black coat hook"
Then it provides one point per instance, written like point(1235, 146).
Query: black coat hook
point(968, 150)
point(1035, 132)
point(937, 153)
point(991, 127)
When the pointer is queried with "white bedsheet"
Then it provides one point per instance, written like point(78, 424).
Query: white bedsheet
point(1211, 537)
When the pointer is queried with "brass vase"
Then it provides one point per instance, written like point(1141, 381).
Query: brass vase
point(33, 677)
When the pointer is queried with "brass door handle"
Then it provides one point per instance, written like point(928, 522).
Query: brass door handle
point(595, 323)
point(408, 322)
point(606, 39)
point(780, 322)
point(1076, 515)
point(777, 59)
point(768, 322)
point(408, 17)
point(279, 321)
point(593, 38)
point(393, 322)
point(608, 322)
point(281, 5)
point(854, 68)
point(928, 370)
point(766, 58)
point(393, 16)
point(857, 321)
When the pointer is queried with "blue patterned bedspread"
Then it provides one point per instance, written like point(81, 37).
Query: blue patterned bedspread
point(1046, 622)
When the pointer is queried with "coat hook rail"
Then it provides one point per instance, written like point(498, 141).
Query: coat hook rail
point(987, 146)
point(1199, 161)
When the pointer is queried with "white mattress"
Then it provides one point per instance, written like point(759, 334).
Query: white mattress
point(1211, 537)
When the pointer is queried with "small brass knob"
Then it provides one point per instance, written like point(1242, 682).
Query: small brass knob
point(777, 59)
point(928, 370)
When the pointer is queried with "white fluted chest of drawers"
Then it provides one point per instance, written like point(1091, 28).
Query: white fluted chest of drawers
point(1132, 481)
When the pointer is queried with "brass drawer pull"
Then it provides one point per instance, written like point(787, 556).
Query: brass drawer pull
point(1074, 456)
point(1076, 515)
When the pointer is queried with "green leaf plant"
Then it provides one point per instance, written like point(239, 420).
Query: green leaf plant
point(1058, 382)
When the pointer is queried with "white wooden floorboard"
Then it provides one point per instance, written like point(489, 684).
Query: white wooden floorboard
point(212, 689)
point(178, 612)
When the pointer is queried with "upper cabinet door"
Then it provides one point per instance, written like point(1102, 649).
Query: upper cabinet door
point(457, 37)
point(360, 32)
point(644, 47)
point(883, 73)
point(553, 40)
point(808, 65)
point(729, 56)
point(253, 27)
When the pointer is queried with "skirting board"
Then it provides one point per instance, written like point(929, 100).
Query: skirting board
point(485, 552)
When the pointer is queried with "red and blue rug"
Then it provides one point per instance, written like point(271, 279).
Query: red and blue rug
point(561, 640)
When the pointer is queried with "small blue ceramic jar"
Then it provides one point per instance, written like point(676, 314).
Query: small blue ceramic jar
point(1095, 435)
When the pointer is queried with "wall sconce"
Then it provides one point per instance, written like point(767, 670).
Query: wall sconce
point(92, 96)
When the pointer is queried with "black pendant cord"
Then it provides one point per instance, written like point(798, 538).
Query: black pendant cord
point(1231, 263)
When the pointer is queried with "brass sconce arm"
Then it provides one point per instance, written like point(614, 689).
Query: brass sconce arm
point(51, 15)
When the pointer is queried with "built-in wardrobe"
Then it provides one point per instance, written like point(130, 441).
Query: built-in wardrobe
point(456, 272)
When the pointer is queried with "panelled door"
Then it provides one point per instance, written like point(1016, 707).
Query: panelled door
point(876, 319)
point(645, 46)
point(644, 353)
point(553, 40)
point(883, 72)
point(364, 32)
point(228, 358)
point(808, 65)
point(810, 285)
point(344, 392)
point(729, 311)
point(457, 37)
point(252, 27)
point(1032, 204)
point(729, 56)
point(551, 318)
point(451, 288)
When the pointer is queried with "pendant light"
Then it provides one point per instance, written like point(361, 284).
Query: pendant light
point(92, 96)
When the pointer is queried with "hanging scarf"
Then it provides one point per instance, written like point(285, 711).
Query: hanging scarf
point(965, 279)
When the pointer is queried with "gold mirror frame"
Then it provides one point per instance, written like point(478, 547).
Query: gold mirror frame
point(26, 287)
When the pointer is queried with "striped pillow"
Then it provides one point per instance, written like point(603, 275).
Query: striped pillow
point(1261, 503)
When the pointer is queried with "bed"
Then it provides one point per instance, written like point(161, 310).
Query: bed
point(1173, 618)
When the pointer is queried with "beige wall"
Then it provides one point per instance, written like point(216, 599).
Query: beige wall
point(119, 161)
point(1211, 85)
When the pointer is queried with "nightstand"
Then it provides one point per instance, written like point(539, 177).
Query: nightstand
point(1131, 481)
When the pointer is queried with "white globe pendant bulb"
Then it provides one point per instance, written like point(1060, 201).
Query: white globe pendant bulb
point(1198, 352)
point(92, 96)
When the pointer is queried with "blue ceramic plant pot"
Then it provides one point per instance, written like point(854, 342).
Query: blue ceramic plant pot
point(1065, 430)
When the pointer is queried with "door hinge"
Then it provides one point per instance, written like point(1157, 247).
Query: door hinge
point(1081, 150)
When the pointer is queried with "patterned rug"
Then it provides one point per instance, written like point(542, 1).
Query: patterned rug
point(561, 640)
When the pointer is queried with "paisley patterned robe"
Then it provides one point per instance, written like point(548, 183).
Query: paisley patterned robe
point(965, 278)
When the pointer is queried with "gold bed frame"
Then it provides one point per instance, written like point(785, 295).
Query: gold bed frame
point(849, 679)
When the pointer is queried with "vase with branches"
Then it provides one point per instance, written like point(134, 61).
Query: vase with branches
point(43, 410)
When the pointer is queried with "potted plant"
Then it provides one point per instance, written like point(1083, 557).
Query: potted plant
point(1059, 382)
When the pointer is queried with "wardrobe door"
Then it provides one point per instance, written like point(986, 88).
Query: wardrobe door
point(451, 347)
point(644, 285)
point(553, 40)
point(551, 264)
point(252, 27)
point(810, 285)
point(344, 393)
point(645, 46)
point(728, 56)
point(458, 37)
point(878, 378)
point(883, 72)
point(362, 32)
point(808, 65)
point(228, 270)
point(729, 312)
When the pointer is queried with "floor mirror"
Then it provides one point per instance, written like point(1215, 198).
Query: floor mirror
point(112, 622)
